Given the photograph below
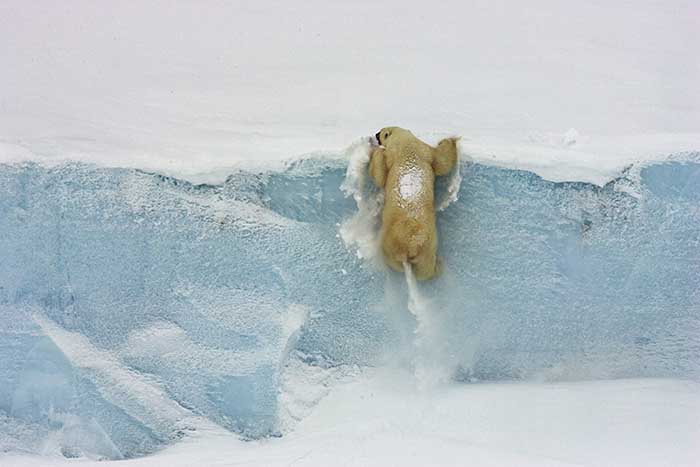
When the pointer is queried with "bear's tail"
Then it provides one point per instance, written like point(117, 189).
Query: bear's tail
point(407, 238)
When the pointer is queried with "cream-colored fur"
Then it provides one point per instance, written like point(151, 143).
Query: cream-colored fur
point(406, 168)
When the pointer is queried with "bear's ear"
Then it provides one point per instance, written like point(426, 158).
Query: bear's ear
point(385, 133)
point(382, 135)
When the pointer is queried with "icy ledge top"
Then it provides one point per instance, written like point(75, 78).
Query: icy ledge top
point(557, 157)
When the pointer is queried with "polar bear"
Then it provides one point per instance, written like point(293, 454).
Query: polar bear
point(406, 168)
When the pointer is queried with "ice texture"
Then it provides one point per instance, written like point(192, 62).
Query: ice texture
point(138, 307)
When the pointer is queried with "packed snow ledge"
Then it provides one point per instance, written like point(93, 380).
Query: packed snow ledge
point(568, 156)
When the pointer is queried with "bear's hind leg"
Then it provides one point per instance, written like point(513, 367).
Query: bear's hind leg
point(425, 266)
point(393, 264)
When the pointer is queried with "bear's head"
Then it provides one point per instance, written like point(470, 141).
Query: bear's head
point(382, 135)
point(385, 133)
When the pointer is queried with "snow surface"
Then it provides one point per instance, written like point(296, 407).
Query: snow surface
point(572, 92)
point(410, 183)
point(191, 89)
point(381, 419)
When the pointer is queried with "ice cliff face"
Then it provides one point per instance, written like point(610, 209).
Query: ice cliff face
point(136, 307)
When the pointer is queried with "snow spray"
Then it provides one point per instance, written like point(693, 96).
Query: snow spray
point(362, 233)
point(429, 365)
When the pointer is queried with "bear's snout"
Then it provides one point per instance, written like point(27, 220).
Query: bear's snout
point(377, 136)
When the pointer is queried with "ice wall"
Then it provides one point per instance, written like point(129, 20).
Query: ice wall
point(138, 307)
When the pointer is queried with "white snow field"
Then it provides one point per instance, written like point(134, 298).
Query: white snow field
point(186, 87)
point(189, 272)
point(383, 420)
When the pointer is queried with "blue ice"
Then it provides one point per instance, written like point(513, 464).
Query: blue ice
point(135, 305)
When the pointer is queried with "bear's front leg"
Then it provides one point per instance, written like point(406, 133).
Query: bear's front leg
point(445, 156)
point(377, 167)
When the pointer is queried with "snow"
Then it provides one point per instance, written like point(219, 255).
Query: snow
point(142, 311)
point(192, 90)
point(410, 183)
point(360, 232)
point(594, 160)
point(382, 418)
